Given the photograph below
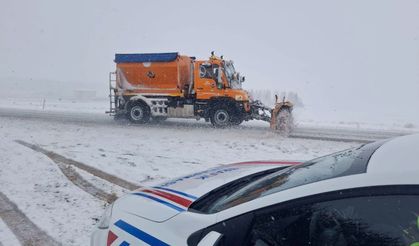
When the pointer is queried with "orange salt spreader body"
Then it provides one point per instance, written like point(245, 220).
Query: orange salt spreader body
point(168, 85)
point(155, 77)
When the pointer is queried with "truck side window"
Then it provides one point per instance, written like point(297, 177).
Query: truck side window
point(357, 221)
point(207, 71)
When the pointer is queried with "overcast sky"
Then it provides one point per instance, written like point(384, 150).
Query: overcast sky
point(354, 57)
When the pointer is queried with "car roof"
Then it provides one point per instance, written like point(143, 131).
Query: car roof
point(398, 154)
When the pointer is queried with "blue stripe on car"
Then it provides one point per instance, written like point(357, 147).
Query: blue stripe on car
point(177, 192)
point(143, 236)
point(124, 243)
point(160, 201)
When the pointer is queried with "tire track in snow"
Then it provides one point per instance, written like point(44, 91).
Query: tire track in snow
point(24, 229)
point(7, 237)
point(94, 171)
point(72, 175)
point(85, 185)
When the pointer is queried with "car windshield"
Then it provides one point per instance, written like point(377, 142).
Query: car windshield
point(348, 162)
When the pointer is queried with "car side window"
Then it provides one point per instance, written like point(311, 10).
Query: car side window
point(234, 231)
point(358, 221)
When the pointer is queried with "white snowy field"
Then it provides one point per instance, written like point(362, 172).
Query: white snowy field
point(140, 154)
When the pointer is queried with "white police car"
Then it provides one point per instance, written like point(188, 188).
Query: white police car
point(363, 196)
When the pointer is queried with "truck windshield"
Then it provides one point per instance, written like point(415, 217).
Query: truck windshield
point(232, 76)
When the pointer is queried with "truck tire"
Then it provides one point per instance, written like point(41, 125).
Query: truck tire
point(139, 113)
point(221, 117)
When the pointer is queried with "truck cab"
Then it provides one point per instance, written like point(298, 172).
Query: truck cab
point(217, 77)
point(218, 84)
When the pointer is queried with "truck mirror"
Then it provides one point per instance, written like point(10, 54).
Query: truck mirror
point(219, 80)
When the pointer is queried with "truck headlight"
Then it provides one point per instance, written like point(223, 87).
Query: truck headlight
point(106, 218)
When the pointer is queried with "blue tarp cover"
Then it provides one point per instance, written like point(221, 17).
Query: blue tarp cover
point(156, 57)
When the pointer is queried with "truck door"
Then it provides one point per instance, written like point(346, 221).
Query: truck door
point(205, 84)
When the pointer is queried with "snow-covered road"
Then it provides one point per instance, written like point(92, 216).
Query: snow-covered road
point(139, 154)
point(301, 131)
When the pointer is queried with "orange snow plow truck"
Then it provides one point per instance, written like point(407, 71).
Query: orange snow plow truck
point(158, 86)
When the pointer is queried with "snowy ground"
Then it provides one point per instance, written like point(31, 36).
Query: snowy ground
point(141, 154)
point(145, 154)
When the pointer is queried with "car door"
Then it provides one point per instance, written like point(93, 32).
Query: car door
point(366, 216)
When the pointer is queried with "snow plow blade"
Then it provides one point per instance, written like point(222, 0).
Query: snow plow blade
point(280, 117)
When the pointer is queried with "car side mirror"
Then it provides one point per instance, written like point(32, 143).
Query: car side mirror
point(211, 239)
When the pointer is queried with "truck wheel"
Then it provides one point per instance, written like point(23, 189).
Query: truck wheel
point(220, 117)
point(139, 113)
